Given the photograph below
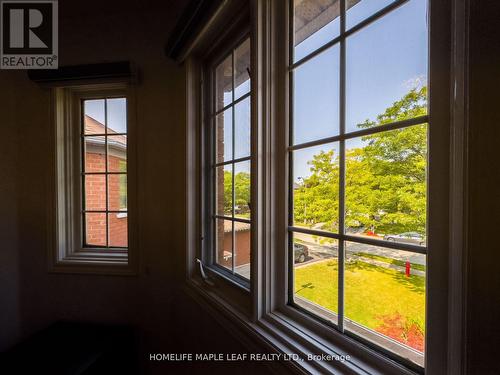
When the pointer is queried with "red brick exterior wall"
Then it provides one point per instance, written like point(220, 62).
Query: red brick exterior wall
point(95, 198)
point(242, 249)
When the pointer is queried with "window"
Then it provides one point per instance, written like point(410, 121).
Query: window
point(353, 202)
point(104, 173)
point(358, 169)
point(92, 226)
point(230, 172)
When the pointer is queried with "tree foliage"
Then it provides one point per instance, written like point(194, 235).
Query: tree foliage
point(385, 185)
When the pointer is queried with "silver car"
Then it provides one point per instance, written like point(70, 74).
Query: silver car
point(407, 237)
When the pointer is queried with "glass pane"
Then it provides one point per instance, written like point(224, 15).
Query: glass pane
point(224, 83)
point(316, 187)
point(94, 154)
point(386, 186)
point(117, 115)
point(95, 229)
point(358, 10)
point(118, 229)
point(385, 293)
point(95, 192)
point(242, 190)
point(117, 153)
point(117, 192)
point(224, 243)
point(316, 274)
point(315, 23)
point(387, 69)
point(316, 98)
point(224, 134)
point(242, 69)
point(242, 129)
point(94, 117)
point(224, 190)
point(242, 249)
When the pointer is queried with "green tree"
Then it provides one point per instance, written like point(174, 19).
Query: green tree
point(385, 179)
point(241, 192)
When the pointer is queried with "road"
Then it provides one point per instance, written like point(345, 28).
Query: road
point(319, 251)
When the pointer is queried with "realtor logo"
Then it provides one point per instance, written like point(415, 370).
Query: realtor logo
point(28, 35)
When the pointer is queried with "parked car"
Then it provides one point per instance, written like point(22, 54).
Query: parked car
point(407, 237)
point(301, 252)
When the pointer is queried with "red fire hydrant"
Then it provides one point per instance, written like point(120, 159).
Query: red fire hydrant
point(408, 269)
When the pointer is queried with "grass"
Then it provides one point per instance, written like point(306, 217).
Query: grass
point(373, 294)
point(396, 262)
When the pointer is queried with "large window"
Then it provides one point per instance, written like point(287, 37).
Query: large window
point(104, 173)
point(358, 169)
point(231, 154)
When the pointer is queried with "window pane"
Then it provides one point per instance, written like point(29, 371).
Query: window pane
point(117, 115)
point(242, 190)
point(224, 135)
point(385, 293)
point(242, 68)
point(316, 274)
point(224, 83)
point(316, 98)
point(242, 129)
point(224, 243)
point(94, 117)
point(95, 229)
point(224, 190)
point(316, 187)
point(117, 192)
point(117, 153)
point(386, 185)
point(95, 192)
point(387, 69)
point(358, 10)
point(242, 249)
point(94, 154)
point(315, 23)
point(118, 229)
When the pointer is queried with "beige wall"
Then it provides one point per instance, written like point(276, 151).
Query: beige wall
point(31, 298)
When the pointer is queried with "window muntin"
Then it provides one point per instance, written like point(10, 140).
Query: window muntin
point(378, 167)
point(231, 216)
point(104, 173)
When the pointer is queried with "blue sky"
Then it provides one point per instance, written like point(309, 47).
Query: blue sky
point(383, 62)
point(117, 113)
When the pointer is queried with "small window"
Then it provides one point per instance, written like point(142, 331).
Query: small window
point(230, 172)
point(92, 227)
point(104, 173)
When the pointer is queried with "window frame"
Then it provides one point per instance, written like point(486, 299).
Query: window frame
point(226, 44)
point(274, 324)
point(69, 254)
point(341, 139)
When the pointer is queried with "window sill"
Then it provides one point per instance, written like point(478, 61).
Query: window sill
point(285, 332)
point(219, 273)
point(92, 262)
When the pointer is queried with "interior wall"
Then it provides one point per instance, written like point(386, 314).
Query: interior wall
point(31, 298)
point(9, 270)
point(483, 294)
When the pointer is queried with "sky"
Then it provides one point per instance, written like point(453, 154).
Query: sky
point(383, 62)
point(117, 113)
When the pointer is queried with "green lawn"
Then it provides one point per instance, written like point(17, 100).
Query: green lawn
point(373, 295)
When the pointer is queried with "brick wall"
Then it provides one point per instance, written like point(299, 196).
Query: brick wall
point(95, 198)
point(242, 249)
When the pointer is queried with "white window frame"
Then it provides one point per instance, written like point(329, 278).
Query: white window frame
point(267, 318)
point(225, 49)
point(67, 253)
